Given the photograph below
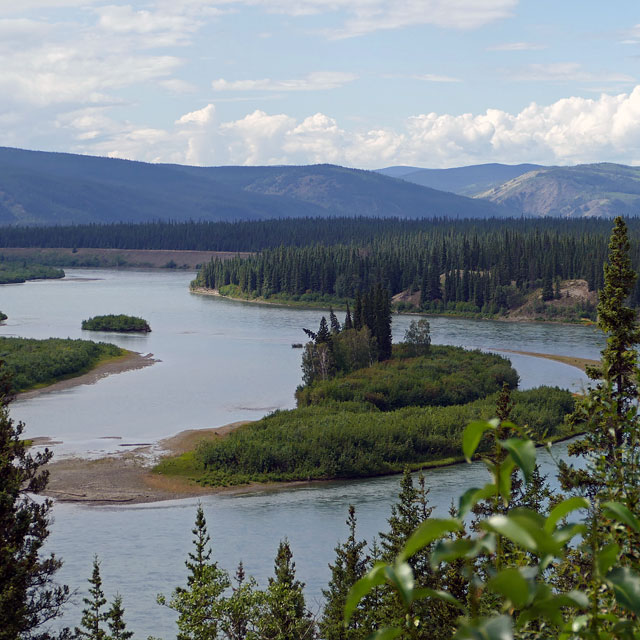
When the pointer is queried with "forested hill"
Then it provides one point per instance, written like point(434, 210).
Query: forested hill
point(59, 188)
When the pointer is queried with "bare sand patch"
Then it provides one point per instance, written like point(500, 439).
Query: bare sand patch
point(127, 477)
point(579, 363)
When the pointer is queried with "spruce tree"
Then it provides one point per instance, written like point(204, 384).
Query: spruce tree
point(241, 610)
point(29, 596)
point(609, 411)
point(115, 621)
point(350, 565)
point(199, 605)
point(286, 616)
point(333, 322)
point(93, 615)
point(348, 323)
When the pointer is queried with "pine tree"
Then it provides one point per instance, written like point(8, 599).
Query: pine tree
point(115, 621)
point(286, 616)
point(241, 611)
point(323, 336)
point(93, 615)
point(199, 605)
point(350, 565)
point(29, 596)
point(348, 323)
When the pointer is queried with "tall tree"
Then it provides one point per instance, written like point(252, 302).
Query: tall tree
point(115, 621)
point(29, 595)
point(350, 565)
point(93, 615)
point(286, 616)
point(199, 605)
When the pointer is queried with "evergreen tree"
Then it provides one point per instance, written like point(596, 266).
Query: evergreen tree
point(199, 605)
point(333, 322)
point(609, 412)
point(348, 323)
point(93, 615)
point(115, 621)
point(323, 336)
point(29, 596)
point(350, 565)
point(286, 616)
point(358, 320)
point(241, 611)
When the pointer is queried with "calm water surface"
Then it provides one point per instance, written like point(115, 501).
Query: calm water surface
point(220, 361)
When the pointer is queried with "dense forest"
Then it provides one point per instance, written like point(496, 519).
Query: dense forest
point(269, 234)
point(460, 268)
point(32, 363)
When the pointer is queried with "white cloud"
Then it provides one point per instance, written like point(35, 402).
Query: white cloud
point(569, 131)
point(367, 16)
point(431, 77)
point(562, 72)
point(517, 46)
point(315, 81)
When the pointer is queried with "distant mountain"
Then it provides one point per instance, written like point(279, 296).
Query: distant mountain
point(60, 188)
point(466, 181)
point(586, 190)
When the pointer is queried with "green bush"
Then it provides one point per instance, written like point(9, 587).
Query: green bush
point(120, 323)
point(445, 376)
point(38, 362)
point(349, 440)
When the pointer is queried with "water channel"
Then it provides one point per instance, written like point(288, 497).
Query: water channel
point(219, 361)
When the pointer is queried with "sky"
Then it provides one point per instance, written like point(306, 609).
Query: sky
point(360, 83)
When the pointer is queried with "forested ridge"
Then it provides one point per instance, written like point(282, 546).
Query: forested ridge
point(464, 267)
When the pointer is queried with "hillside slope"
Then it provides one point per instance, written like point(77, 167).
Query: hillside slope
point(588, 190)
point(60, 188)
point(466, 181)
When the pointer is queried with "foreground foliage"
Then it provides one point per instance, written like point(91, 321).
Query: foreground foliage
point(121, 323)
point(30, 598)
point(34, 362)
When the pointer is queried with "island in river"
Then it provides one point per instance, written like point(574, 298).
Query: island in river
point(129, 478)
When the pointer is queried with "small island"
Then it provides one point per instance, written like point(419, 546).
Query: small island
point(120, 323)
point(3, 316)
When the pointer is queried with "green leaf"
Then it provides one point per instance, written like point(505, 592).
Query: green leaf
point(508, 527)
point(473, 434)
point(448, 550)
point(621, 513)
point(607, 557)
point(401, 577)
point(440, 595)
point(430, 530)
point(471, 497)
point(360, 589)
point(388, 633)
point(511, 585)
point(626, 586)
point(498, 628)
point(523, 453)
point(562, 509)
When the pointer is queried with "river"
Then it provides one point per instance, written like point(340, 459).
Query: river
point(219, 361)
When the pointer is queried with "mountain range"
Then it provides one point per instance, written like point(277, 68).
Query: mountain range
point(59, 188)
point(45, 188)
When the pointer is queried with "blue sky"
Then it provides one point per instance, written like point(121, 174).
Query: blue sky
point(363, 83)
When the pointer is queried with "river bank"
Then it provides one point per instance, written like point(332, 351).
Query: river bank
point(338, 306)
point(128, 362)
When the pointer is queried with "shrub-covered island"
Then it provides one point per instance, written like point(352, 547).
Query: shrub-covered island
point(14, 272)
point(37, 363)
point(406, 411)
point(120, 323)
point(3, 316)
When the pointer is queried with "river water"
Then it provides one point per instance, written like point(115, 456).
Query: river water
point(219, 361)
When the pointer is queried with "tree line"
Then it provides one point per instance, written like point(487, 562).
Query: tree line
point(452, 266)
